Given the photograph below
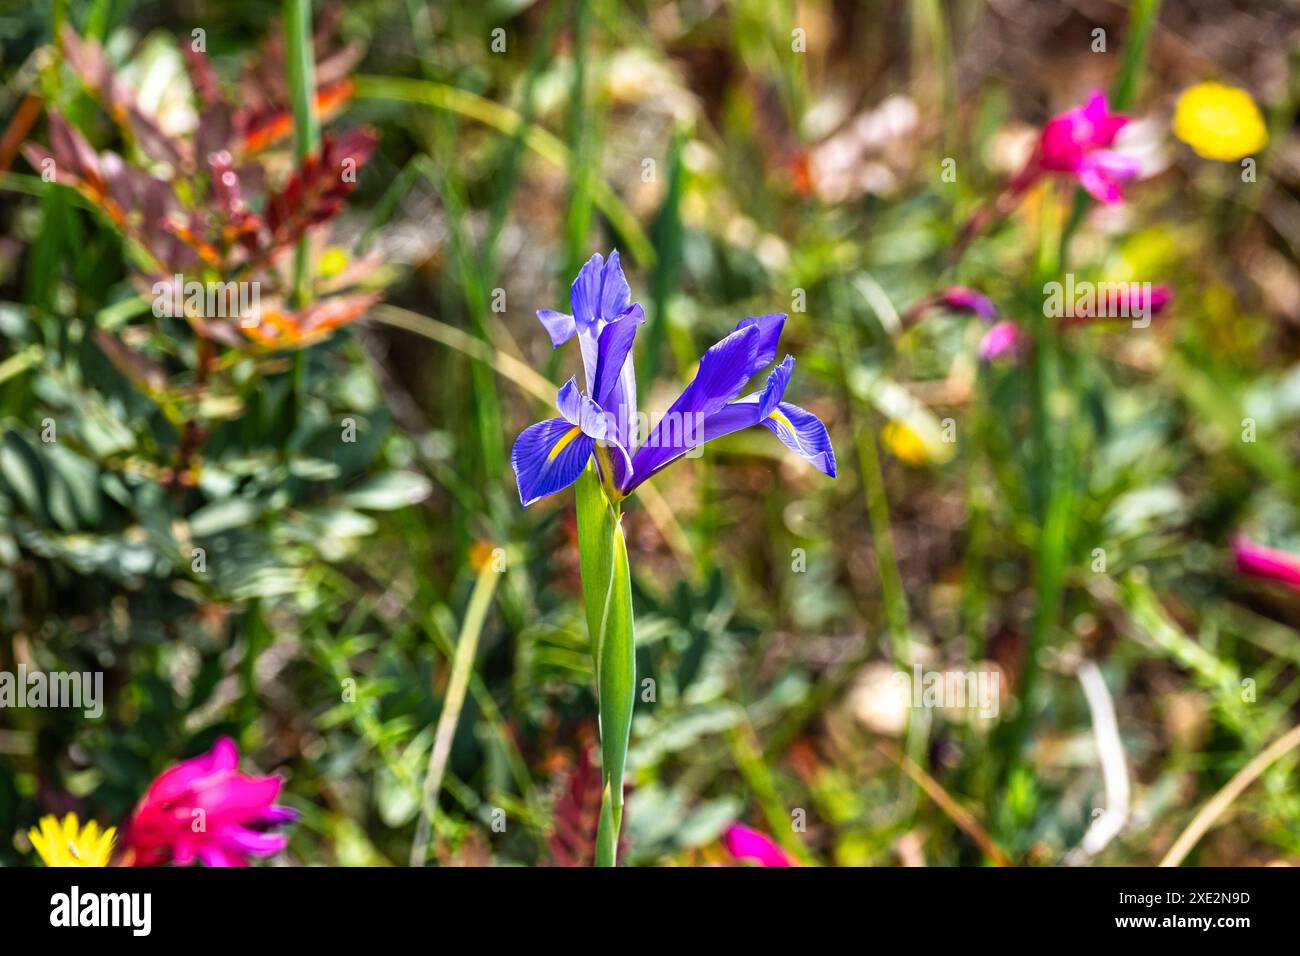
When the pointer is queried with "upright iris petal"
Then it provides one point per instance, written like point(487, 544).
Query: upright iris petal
point(600, 297)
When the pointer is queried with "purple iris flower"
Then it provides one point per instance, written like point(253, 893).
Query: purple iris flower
point(602, 421)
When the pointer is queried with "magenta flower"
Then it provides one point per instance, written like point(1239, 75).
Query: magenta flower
point(1267, 563)
point(1001, 339)
point(1125, 300)
point(959, 298)
point(750, 845)
point(1078, 143)
point(205, 808)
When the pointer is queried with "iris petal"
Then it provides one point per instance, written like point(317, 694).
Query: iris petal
point(600, 291)
point(774, 389)
point(723, 372)
point(769, 332)
point(548, 457)
point(612, 350)
point(559, 326)
point(569, 400)
point(803, 433)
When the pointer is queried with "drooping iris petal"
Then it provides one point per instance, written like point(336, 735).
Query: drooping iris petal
point(548, 457)
point(804, 434)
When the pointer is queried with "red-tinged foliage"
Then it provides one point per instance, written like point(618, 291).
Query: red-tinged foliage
point(577, 813)
point(576, 810)
point(231, 223)
point(280, 329)
point(316, 191)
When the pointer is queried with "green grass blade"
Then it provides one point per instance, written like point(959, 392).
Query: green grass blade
point(502, 118)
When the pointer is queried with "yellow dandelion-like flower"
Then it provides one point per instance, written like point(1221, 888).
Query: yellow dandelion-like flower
point(905, 444)
point(70, 844)
point(1219, 122)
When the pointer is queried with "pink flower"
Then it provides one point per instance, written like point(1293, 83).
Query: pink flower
point(1078, 143)
point(1001, 339)
point(1268, 563)
point(746, 844)
point(1130, 299)
point(205, 808)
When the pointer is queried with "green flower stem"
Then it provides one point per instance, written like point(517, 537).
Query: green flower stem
point(306, 125)
point(607, 596)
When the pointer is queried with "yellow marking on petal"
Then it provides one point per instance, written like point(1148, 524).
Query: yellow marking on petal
point(780, 418)
point(565, 440)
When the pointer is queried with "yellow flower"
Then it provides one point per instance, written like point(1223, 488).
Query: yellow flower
point(70, 844)
point(905, 444)
point(1219, 122)
point(332, 262)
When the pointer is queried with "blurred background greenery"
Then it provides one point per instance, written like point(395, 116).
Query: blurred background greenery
point(745, 157)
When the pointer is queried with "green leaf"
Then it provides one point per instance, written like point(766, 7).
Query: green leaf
point(222, 516)
point(390, 491)
point(22, 472)
point(607, 597)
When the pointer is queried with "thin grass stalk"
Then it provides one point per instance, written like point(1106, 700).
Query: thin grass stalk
point(1046, 469)
point(462, 667)
point(753, 767)
point(502, 118)
point(873, 490)
point(578, 220)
